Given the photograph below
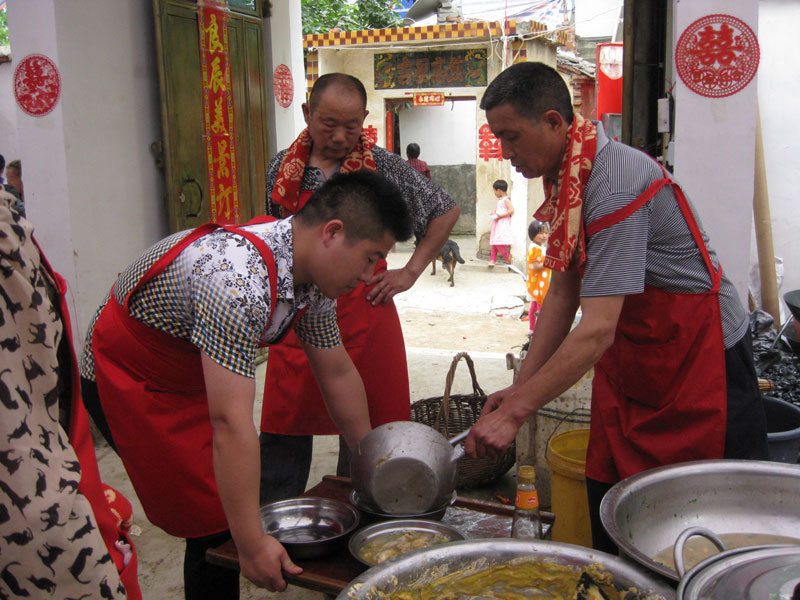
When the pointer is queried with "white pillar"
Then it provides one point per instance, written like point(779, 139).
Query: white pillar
point(715, 147)
point(284, 34)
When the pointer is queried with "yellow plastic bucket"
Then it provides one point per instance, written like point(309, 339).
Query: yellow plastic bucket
point(566, 456)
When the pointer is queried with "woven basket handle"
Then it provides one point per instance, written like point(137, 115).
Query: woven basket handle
point(444, 407)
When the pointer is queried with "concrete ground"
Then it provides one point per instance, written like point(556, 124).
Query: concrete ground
point(438, 322)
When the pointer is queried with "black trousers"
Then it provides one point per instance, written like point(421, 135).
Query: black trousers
point(202, 580)
point(286, 463)
point(745, 432)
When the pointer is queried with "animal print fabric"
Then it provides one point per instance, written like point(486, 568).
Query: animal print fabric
point(51, 546)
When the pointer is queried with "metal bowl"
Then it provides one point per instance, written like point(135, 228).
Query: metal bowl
point(423, 568)
point(309, 527)
point(378, 530)
point(644, 514)
point(433, 515)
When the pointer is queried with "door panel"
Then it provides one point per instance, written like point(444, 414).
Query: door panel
point(182, 112)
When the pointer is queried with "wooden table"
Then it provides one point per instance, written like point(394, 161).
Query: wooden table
point(331, 574)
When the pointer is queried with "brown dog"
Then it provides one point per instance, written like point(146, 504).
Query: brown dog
point(449, 256)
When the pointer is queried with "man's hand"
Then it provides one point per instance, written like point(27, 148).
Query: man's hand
point(387, 284)
point(263, 565)
point(496, 428)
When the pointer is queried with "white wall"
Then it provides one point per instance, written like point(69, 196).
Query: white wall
point(9, 147)
point(715, 148)
point(440, 132)
point(91, 186)
point(283, 32)
point(778, 97)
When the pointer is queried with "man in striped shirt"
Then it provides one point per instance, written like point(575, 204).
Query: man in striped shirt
point(662, 326)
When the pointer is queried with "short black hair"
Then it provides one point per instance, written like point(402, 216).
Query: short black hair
point(500, 184)
point(531, 88)
point(368, 204)
point(535, 228)
point(2, 162)
point(412, 150)
point(342, 79)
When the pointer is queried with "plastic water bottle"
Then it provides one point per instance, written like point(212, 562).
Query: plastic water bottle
point(527, 523)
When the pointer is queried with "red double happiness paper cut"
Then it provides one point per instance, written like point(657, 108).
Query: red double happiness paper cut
point(717, 56)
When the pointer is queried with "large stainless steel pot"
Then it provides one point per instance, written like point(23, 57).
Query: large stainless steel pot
point(752, 573)
point(644, 514)
point(422, 567)
point(405, 467)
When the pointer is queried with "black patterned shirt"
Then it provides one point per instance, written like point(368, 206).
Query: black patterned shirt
point(216, 295)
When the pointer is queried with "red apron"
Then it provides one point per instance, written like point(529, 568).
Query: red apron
point(659, 392)
point(153, 395)
point(373, 338)
point(81, 440)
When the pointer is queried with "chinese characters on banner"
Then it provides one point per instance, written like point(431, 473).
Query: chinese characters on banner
point(452, 68)
point(212, 19)
point(488, 145)
point(428, 99)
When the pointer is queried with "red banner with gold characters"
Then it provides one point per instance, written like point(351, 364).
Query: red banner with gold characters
point(218, 117)
point(428, 99)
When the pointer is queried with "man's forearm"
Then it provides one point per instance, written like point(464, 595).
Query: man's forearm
point(236, 468)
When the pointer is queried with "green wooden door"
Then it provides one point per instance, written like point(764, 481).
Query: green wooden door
point(182, 111)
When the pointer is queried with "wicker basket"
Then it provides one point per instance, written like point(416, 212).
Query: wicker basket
point(462, 412)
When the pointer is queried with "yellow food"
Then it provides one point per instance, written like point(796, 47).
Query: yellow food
point(395, 543)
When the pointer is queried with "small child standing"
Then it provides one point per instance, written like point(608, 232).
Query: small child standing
point(501, 238)
point(538, 274)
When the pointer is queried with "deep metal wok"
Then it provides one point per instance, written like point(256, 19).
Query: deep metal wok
point(424, 567)
point(405, 467)
point(645, 514)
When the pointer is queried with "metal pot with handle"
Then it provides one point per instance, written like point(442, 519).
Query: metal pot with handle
point(405, 467)
point(750, 573)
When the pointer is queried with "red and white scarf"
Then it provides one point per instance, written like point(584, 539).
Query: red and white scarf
point(286, 191)
point(563, 206)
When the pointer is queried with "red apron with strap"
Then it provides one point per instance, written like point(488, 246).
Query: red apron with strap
point(373, 338)
point(659, 392)
point(153, 395)
point(80, 438)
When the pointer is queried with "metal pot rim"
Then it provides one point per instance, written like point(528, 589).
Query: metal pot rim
point(641, 481)
point(714, 567)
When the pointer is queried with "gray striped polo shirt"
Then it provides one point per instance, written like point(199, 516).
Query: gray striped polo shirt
point(653, 246)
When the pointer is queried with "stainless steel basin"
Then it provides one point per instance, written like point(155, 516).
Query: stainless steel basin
point(424, 567)
point(646, 513)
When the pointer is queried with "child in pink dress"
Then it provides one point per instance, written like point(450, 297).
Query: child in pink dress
point(501, 238)
point(538, 274)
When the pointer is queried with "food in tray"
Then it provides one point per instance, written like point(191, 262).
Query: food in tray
point(394, 543)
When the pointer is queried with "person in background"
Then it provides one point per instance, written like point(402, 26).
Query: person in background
point(168, 363)
point(420, 166)
point(538, 275)
point(500, 237)
point(60, 538)
point(2, 168)
point(14, 185)
point(292, 411)
point(662, 326)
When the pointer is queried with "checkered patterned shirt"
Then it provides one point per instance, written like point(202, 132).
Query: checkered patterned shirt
point(216, 295)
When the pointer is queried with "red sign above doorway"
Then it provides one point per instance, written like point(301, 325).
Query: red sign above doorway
point(428, 98)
